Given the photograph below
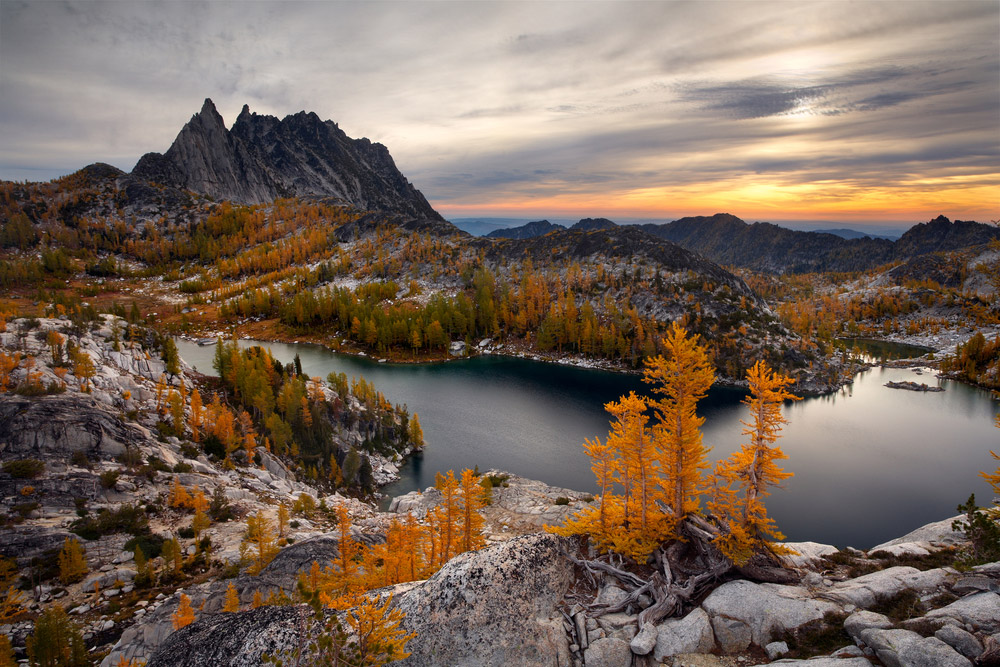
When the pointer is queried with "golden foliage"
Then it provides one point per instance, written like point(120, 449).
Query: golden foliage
point(650, 476)
point(72, 564)
point(753, 469)
point(376, 626)
point(184, 615)
point(232, 601)
point(259, 545)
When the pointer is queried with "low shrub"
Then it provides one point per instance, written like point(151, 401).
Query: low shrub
point(126, 519)
point(109, 478)
point(24, 468)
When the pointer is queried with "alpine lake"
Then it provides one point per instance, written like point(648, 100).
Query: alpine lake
point(870, 463)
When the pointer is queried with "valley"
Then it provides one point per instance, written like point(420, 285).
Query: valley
point(144, 420)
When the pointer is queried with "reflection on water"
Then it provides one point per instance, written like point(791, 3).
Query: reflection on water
point(870, 463)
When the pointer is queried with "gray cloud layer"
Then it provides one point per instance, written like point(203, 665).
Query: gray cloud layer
point(484, 102)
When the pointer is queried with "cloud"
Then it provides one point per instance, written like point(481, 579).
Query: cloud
point(483, 101)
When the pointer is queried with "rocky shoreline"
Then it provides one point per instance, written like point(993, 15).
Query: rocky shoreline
point(522, 600)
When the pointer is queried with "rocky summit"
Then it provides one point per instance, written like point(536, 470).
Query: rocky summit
point(263, 158)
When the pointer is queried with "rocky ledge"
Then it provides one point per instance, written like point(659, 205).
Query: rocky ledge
point(522, 601)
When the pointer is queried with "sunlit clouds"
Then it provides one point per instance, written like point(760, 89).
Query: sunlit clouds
point(769, 110)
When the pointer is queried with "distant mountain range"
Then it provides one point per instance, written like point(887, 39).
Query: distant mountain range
point(542, 227)
point(763, 246)
point(854, 234)
point(263, 158)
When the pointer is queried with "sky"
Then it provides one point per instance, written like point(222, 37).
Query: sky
point(856, 112)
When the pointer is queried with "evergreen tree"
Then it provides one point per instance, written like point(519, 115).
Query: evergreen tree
point(56, 641)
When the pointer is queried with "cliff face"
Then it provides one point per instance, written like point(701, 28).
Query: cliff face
point(263, 158)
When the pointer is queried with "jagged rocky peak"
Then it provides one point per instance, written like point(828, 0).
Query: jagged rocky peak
point(262, 158)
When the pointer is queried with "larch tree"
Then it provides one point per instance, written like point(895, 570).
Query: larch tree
point(72, 563)
point(232, 601)
point(184, 615)
point(681, 377)
point(83, 369)
point(259, 546)
point(197, 417)
point(471, 528)
point(636, 471)
point(753, 469)
point(416, 433)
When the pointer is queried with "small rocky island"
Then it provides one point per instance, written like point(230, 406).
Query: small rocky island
point(909, 385)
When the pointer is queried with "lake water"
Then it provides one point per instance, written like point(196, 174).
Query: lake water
point(870, 463)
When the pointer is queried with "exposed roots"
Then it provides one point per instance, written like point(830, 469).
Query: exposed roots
point(685, 570)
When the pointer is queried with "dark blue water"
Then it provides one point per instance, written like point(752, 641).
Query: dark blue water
point(870, 463)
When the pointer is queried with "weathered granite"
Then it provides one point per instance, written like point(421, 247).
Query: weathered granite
point(765, 610)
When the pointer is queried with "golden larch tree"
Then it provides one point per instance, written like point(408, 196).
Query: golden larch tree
point(197, 416)
point(72, 563)
point(471, 529)
point(184, 615)
point(753, 469)
point(259, 546)
point(680, 377)
point(232, 601)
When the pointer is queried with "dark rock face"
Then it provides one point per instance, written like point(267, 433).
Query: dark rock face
point(263, 158)
point(232, 639)
point(530, 230)
point(57, 426)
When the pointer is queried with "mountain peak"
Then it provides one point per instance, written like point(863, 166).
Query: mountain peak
point(262, 158)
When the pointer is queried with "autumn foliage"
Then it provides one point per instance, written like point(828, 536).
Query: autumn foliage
point(651, 468)
point(752, 470)
point(650, 474)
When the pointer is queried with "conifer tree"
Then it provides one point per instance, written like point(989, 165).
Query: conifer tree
point(259, 546)
point(197, 417)
point(72, 564)
point(680, 377)
point(83, 369)
point(471, 529)
point(282, 520)
point(184, 615)
point(179, 495)
point(416, 433)
point(56, 641)
point(199, 523)
point(232, 601)
point(176, 412)
point(753, 469)
point(143, 576)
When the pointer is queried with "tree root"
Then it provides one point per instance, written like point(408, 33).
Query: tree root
point(685, 569)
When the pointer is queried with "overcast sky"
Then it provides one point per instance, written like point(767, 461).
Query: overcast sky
point(840, 111)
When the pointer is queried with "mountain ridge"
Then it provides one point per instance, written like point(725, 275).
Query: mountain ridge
point(263, 158)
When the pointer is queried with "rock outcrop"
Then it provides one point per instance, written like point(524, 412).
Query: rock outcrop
point(493, 607)
point(263, 158)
